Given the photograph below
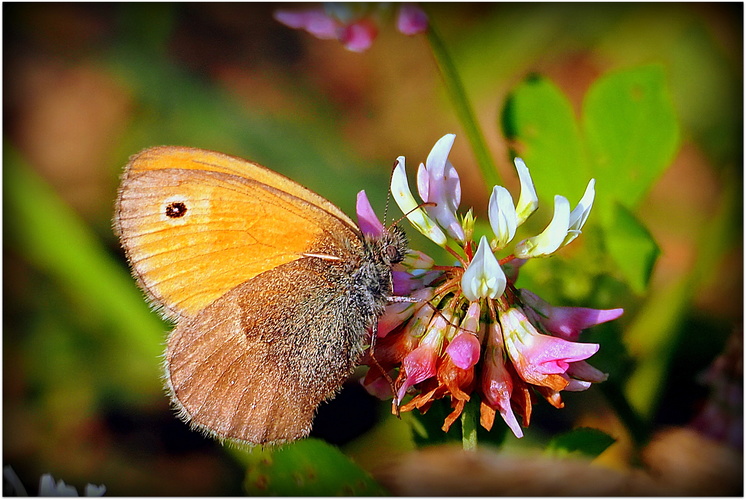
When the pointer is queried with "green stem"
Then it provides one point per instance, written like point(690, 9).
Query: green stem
point(464, 111)
point(469, 425)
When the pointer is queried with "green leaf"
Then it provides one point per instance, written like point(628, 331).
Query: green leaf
point(632, 247)
point(540, 119)
point(630, 135)
point(309, 467)
point(631, 131)
point(581, 441)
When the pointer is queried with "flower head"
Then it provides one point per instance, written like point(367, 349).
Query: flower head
point(355, 25)
point(472, 332)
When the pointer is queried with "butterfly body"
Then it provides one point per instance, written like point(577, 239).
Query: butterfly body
point(272, 288)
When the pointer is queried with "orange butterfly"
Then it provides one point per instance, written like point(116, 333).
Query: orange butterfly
point(271, 286)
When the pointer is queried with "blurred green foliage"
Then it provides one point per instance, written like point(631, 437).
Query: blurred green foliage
point(619, 92)
point(583, 440)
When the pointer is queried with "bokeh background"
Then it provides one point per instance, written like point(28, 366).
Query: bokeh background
point(88, 85)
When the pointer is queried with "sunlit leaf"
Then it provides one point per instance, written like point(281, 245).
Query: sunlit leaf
point(539, 119)
point(309, 467)
point(583, 441)
point(631, 131)
point(632, 247)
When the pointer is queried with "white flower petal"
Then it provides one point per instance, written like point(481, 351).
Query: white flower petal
point(416, 259)
point(502, 215)
point(438, 183)
point(92, 490)
point(423, 182)
point(484, 277)
point(438, 157)
point(409, 206)
point(48, 488)
point(552, 237)
point(580, 213)
point(528, 201)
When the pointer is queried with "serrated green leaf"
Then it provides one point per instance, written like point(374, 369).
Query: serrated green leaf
point(631, 131)
point(309, 467)
point(540, 120)
point(632, 247)
point(584, 441)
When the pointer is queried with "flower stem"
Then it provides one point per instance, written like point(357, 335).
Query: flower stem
point(469, 425)
point(464, 110)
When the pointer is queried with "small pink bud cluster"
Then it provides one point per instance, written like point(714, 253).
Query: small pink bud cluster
point(355, 25)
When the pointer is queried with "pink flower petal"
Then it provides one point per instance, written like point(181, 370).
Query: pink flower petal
point(497, 385)
point(411, 19)
point(359, 36)
point(419, 365)
point(393, 316)
point(567, 322)
point(403, 283)
point(536, 356)
point(315, 21)
point(406, 283)
point(550, 355)
point(379, 388)
point(464, 350)
point(366, 217)
point(577, 385)
point(397, 313)
point(581, 370)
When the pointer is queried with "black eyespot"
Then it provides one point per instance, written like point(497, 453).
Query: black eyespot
point(176, 209)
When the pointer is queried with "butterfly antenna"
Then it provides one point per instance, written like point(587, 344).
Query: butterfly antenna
point(388, 194)
point(421, 205)
point(388, 197)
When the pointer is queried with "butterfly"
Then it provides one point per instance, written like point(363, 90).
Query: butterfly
point(271, 287)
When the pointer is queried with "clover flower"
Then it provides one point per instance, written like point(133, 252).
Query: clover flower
point(471, 331)
point(353, 24)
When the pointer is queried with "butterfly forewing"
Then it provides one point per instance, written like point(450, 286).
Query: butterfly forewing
point(192, 235)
